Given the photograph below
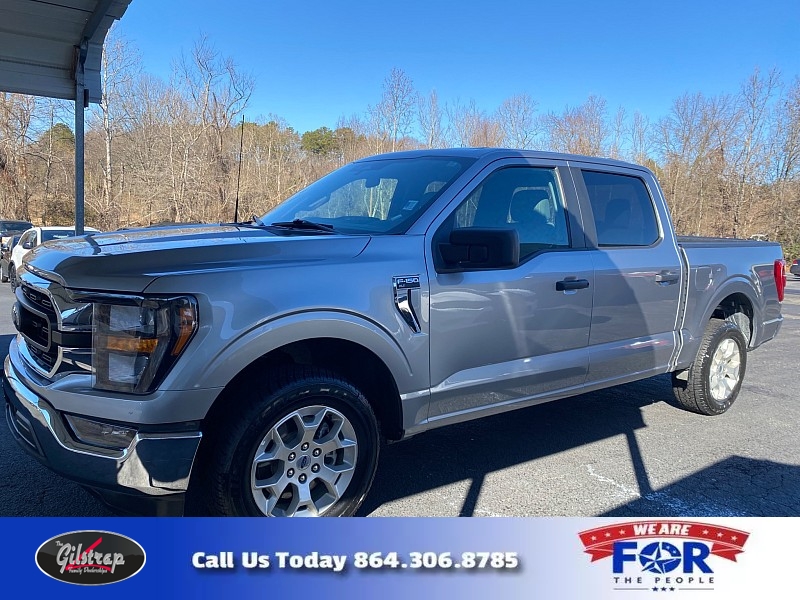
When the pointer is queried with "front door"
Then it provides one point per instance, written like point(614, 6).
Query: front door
point(507, 336)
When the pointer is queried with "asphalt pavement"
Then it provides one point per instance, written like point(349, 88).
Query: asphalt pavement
point(627, 451)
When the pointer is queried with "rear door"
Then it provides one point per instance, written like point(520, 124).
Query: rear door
point(504, 336)
point(637, 272)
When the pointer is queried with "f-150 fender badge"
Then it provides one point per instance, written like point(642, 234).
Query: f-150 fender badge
point(403, 286)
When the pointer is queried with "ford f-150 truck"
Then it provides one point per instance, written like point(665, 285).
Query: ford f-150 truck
point(256, 368)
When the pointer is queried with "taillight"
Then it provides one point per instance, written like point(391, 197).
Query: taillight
point(780, 277)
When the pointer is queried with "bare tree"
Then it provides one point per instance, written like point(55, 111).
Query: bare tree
point(617, 134)
point(581, 129)
point(472, 127)
point(782, 214)
point(216, 93)
point(394, 114)
point(517, 118)
point(640, 137)
point(17, 113)
point(746, 152)
point(429, 115)
point(120, 64)
point(691, 142)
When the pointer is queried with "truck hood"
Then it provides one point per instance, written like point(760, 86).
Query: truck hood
point(130, 260)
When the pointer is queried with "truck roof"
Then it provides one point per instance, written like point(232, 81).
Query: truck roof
point(496, 153)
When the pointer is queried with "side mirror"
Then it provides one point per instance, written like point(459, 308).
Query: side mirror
point(3, 247)
point(27, 245)
point(479, 248)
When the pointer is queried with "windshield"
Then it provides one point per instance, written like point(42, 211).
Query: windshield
point(15, 226)
point(56, 234)
point(379, 196)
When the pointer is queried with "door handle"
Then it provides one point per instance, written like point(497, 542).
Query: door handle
point(667, 277)
point(571, 284)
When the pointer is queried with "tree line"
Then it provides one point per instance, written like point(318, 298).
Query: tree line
point(177, 150)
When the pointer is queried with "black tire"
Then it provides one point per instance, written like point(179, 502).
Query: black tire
point(227, 453)
point(693, 386)
point(12, 276)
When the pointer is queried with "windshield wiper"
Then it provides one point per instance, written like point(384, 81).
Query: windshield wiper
point(303, 224)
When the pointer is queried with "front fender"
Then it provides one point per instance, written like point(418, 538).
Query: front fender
point(295, 327)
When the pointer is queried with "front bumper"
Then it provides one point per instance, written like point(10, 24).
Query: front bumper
point(150, 476)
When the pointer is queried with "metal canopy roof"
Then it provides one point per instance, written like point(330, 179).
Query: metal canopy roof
point(41, 43)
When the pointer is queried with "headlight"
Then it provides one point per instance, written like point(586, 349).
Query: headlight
point(135, 341)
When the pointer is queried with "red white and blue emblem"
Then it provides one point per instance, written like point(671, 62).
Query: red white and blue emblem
point(663, 555)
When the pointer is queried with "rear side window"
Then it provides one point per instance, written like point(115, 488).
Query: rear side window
point(623, 211)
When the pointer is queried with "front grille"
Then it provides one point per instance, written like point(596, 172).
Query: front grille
point(39, 299)
point(46, 360)
point(34, 327)
point(55, 328)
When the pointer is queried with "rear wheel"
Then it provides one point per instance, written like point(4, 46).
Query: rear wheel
point(712, 383)
point(303, 443)
point(12, 276)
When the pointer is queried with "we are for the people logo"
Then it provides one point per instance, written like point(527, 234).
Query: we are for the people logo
point(663, 556)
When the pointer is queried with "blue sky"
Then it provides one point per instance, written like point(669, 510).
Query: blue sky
point(315, 61)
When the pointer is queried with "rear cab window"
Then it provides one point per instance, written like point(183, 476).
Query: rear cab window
point(623, 211)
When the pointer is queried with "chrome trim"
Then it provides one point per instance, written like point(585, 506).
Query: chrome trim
point(128, 468)
point(403, 300)
point(63, 318)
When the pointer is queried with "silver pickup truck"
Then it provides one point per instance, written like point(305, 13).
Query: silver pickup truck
point(256, 368)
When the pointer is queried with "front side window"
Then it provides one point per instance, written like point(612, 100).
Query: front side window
point(623, 212)
point(374, 196)
point(527, 199)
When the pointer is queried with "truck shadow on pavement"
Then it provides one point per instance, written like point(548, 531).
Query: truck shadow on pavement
point(735, 486)
point(469, 452)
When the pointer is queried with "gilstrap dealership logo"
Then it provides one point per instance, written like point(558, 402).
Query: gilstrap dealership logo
point(663, 556)
point(90, 557)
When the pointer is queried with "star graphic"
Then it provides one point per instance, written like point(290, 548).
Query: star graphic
point(655, 589)
point(671, 589)
point(719, 535)
point(705, 531)
point(594, 538)
point(734, 538)
point(608, 534)
point(622, 532)
point(663, 589)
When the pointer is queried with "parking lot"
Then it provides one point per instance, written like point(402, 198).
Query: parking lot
point(626, 451)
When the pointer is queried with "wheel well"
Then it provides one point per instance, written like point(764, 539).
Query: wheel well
point(353, 362)
point(738, 309)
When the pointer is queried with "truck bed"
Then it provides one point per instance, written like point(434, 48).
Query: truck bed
point(695, 241)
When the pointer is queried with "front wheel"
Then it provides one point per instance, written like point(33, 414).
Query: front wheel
point(712, 383)
point(304, 443)
point(12, 276)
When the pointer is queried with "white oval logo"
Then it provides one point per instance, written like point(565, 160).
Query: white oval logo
point(90, 557)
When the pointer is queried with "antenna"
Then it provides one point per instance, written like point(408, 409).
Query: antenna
point(239, 176)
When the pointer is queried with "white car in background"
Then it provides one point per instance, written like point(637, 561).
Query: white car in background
point(32, 238)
